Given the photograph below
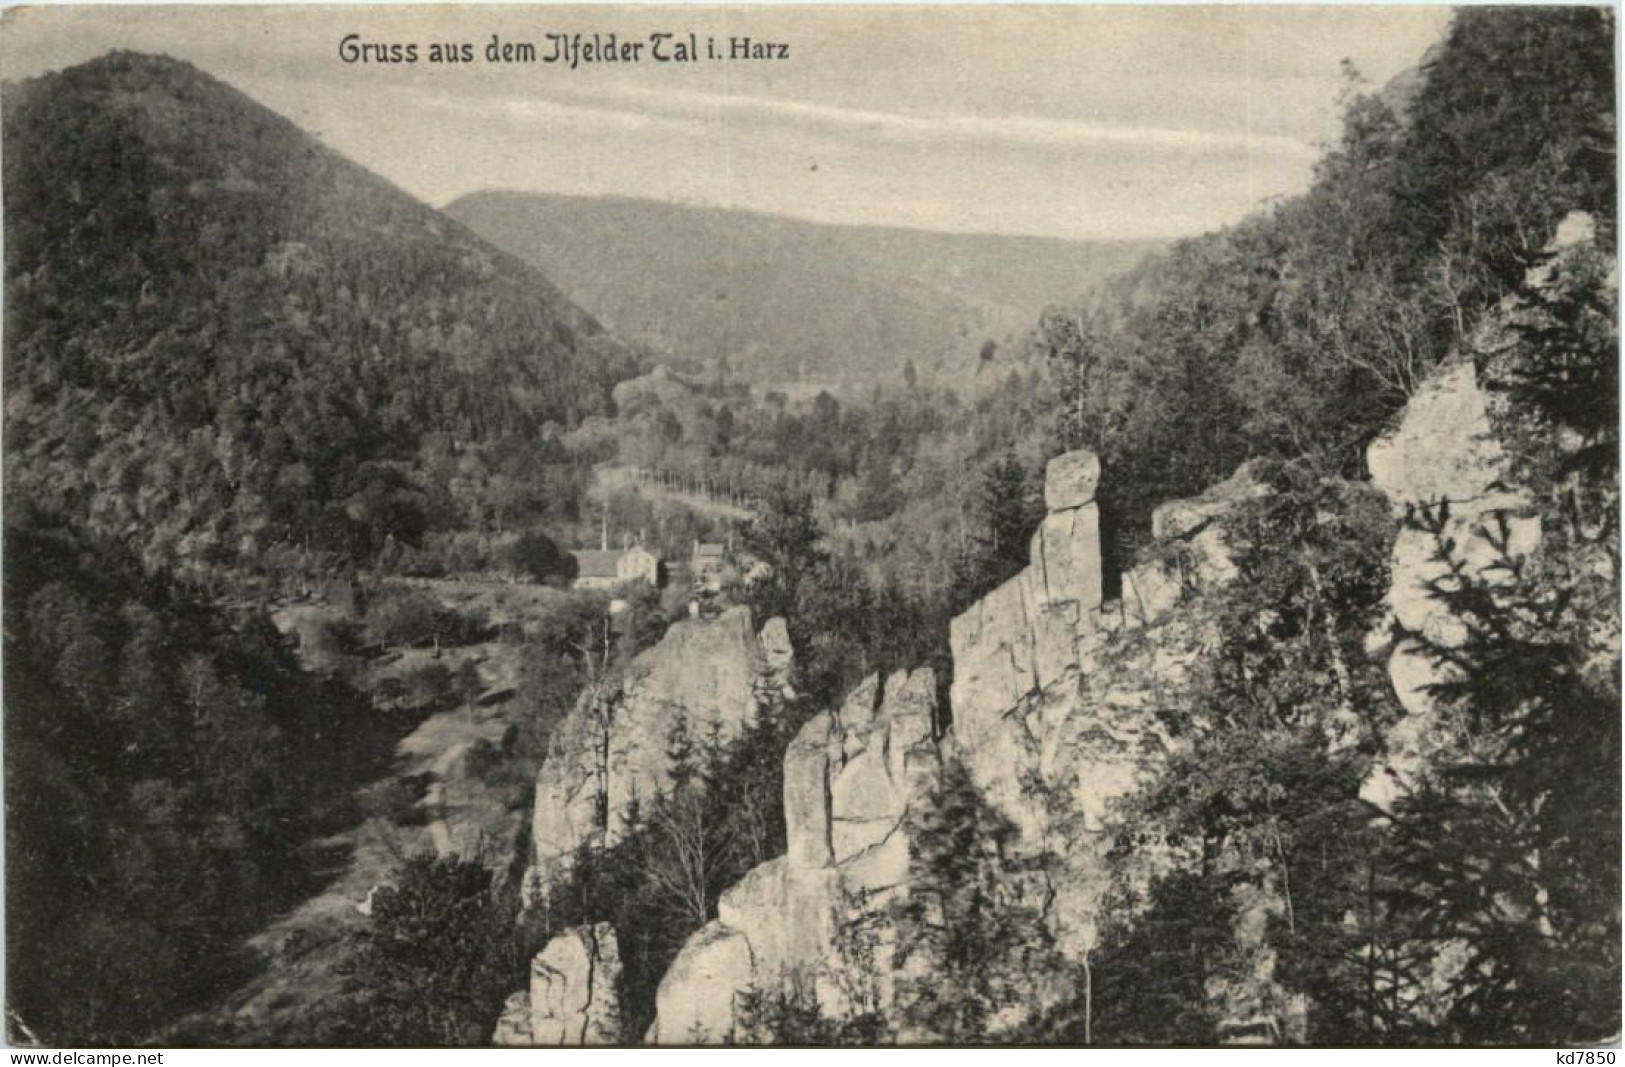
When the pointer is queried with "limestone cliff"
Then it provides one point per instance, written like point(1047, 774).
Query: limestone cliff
point(1054, 711)
point(1444, 459)
point(612, 748)
point(608, 752)
point(850, 777)
point(1442, 452)
point(1055, 693)
point(1054, 708)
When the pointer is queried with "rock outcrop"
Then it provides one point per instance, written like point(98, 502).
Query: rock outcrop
point(572, 998)
point(1055, 692)
point(715, 674)
point(1444, 462)
point(1024, 636)
point(850, 777)
point(1441, 453)
point(1054, 712)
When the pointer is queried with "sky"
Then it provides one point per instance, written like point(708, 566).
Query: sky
point(1126, 122)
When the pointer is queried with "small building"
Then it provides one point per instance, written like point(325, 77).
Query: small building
point(708, 570)
point(710, 559)
point(638, 564)
point(599, 568)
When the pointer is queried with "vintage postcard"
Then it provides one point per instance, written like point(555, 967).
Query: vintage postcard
point(811, 526)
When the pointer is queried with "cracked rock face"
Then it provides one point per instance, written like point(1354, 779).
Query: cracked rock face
point(1025, 635)
point(1052, 689)
point(1442, 451)
point(850, 777)
point(1054, 708)
point(572, 998)
point(695, 1002)
point(612, 747)
point(1055, 692)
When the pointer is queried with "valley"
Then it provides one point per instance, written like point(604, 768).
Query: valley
point(452, 786)
point(556, 620)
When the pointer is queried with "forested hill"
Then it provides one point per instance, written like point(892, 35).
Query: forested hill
point(791, 301)
point(1300, 331)
point(223, 337)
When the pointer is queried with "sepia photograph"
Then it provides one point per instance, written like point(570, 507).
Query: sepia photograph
point(810, 526)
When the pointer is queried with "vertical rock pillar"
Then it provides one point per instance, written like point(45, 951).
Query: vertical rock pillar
point(1024, 636)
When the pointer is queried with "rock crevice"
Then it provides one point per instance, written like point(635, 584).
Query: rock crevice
point(611, 749)
point(572, 997)
point(850, 778)
point(1053, 709)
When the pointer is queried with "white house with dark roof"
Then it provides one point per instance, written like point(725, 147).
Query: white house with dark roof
point(601, 568)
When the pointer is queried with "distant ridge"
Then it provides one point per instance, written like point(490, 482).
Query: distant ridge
point(783, 300)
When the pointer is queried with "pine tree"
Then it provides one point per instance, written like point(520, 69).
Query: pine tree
point(435, 961)
point(1263, 792)
point(1510, 846)
point(972, 945)
point(1005, 512)
point(1509, 849)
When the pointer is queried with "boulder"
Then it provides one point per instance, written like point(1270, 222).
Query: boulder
point(572, 999)
point(695, 1002)
point(1070, 480)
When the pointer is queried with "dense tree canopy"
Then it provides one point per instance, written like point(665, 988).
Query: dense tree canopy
point(232, 356)
point(1299, 332)
point(222, 338)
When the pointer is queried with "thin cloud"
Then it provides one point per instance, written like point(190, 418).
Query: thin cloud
point(1084, 123)
point(688, 106)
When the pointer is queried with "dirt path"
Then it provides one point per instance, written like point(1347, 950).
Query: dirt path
point(460, 813)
